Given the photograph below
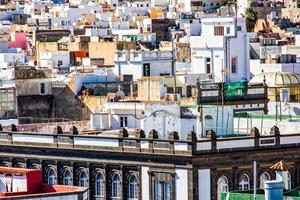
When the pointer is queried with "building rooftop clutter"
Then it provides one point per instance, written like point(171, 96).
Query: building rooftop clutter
point(276, 79)
point(22, 183)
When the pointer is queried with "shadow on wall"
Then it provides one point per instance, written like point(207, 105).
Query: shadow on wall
point(62, 105)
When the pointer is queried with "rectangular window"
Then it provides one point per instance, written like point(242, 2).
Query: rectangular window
point(239, 28)
point(227, 30)
point(219, 30)
point(170, 90)
point(59, 62)
point(42, 88)
point(123, 122)
point(208, 65)
point(146, 69)
point(189, 91)
point(162, 190)
point(233, 65)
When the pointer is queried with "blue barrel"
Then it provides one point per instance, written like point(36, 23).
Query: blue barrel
point(273, 190)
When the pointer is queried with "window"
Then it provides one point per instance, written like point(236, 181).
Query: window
point(83, 179)
point(42, 88)
point(189, 91)
point(244, 182)
point(222, 186)
point(227, 30)
point(239, 28)
point(59, 63)
point(67, 178)
point(170, 90)
point(133, 188)
point(116, 187)
point(219, 30)
point(208, 65)
point(51, 177)
point(99, 185)
point(146, 69)
point(162, 190)
point(264, 177)
point(123, 122)
point(233, 65)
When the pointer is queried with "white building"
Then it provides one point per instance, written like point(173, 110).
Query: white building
point(65, 17)
point(191, 27)
point(164, 117)
point(242, 5)
point(55, 59)
point(143, 63)
point(222, 49)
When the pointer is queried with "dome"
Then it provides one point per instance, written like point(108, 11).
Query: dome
point(276, 79)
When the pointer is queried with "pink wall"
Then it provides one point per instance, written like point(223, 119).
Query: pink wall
point(19, 42)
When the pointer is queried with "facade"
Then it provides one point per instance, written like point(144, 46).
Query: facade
point(20, 183)
point(152, 166)
point(166, 167)
point(132, 65)
point(222, 50)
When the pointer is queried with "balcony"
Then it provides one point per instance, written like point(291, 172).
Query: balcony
point(212, 94)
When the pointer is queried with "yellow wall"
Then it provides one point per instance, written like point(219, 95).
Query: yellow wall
point(104, 50)
point(44, 46)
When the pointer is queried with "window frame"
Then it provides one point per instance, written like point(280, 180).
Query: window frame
point(116, 187)
point(133, 188)
point(67, 180)
point(99, 181)
point(51, 177)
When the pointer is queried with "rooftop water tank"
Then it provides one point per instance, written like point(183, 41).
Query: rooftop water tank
point(273, 190)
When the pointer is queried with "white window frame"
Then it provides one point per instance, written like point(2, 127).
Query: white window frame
point(244, 182)
point(67, 180)
point(51, 177)
point(223, 186)
point(83, 179)
point(133, 188)
point(116, 187)
point(99, 185)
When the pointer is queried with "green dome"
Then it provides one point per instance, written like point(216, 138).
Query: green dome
point(276, 79)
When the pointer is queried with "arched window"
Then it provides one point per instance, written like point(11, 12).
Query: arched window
point(244, 182)
point(222, 186)
point(67, 178)
point(51, 177)
point(116, 187)
point(99, 185)
point(83, 179)
point(133, 188)
point(263, 178)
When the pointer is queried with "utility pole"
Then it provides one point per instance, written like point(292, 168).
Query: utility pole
point(254, 179)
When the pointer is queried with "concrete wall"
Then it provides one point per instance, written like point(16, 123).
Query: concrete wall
point(33, 87)
point(45, 46)
point(151, 89)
